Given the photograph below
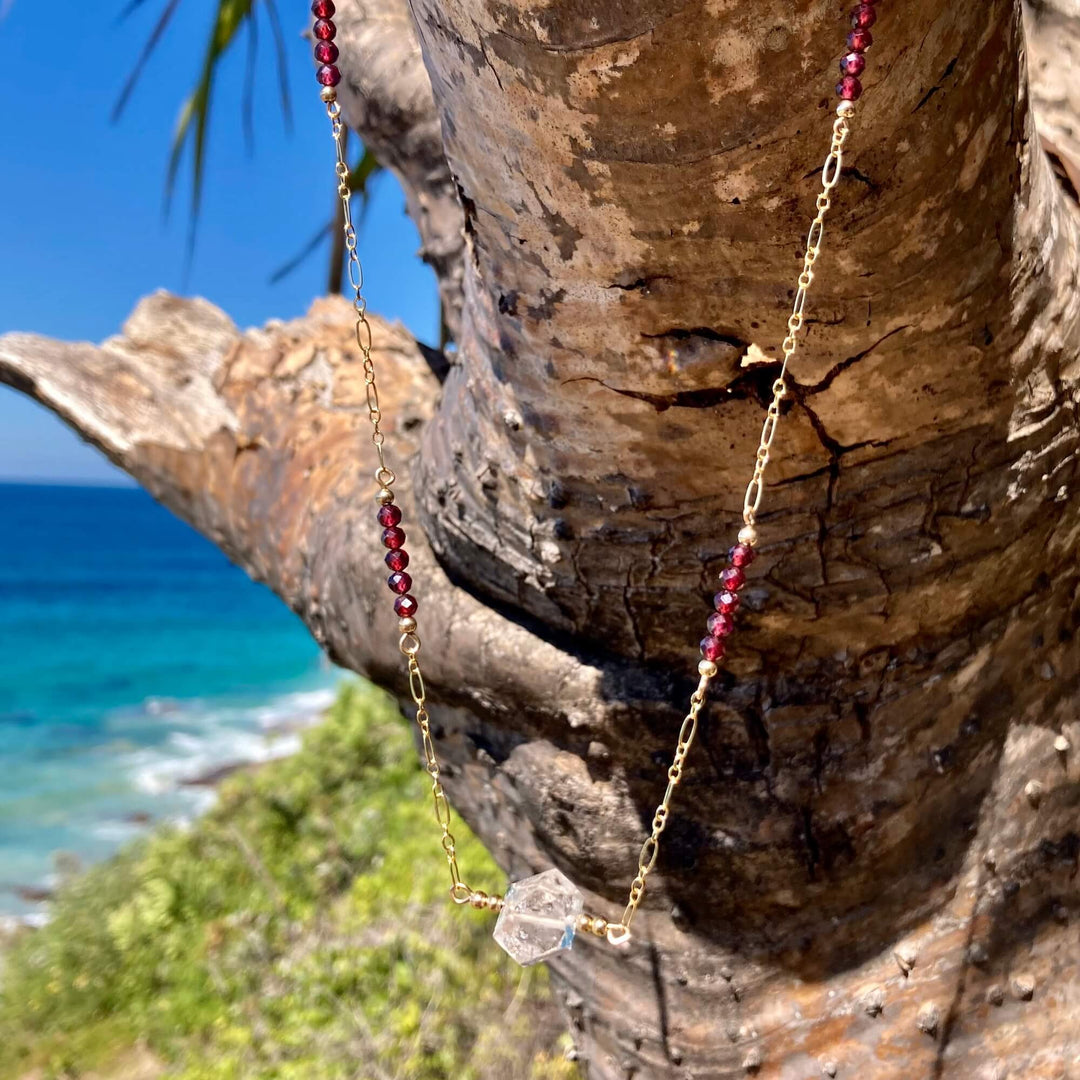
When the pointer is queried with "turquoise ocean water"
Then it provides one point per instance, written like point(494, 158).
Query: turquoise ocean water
point(134, 658)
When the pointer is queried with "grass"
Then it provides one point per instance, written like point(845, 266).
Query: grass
point(301, 929)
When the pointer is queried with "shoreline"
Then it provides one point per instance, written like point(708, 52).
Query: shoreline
point(280, 738)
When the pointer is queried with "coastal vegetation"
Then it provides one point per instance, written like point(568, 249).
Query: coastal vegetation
point(300, 929)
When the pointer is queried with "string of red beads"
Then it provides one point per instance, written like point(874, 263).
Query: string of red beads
point(853, 63)
point(326, 52)
point(721, 623)
point(397, 558)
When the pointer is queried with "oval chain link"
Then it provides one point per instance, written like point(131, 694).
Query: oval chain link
point(356, 278)
point(417, 691)
point(619, 933)
point(830, 177)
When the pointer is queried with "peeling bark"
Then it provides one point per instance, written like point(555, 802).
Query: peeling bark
point(1053, 35)
point(872, 866)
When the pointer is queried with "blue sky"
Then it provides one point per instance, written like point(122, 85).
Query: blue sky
point(82, 233)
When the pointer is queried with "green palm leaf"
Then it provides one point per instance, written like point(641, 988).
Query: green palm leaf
point(230, 18)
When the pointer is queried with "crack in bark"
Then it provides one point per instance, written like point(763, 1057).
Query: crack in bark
point(599, 43)
point(950, 67)
point(484, 53)
point(639, 284)
point(830, 376)
point(706, 333)
point(705, 398)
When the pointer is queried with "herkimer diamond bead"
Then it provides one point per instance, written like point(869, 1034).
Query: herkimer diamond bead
point(539, 917)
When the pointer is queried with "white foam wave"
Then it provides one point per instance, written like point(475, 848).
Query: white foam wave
point(9, 924)
point(211, 736)
point(172, 780)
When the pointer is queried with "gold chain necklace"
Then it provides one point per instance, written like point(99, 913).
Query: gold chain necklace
point(540, 915)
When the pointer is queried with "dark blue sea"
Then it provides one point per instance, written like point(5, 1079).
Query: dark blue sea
point(134, 659)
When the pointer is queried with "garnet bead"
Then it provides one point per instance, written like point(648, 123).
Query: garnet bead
point(389, 515)
point(393, 537)
point(732, 578)
point(322, 9)
point(712, 649)
point(726, 602)
point(399, 583)
point(397, 560)
point(324, 30)
point(863, 17)
point(849, 88)
point(406, 606)
point(853, 63)
point(860, 40)
point(721, 625)
point(328, 75)
point(741, 555)
point(326, 52)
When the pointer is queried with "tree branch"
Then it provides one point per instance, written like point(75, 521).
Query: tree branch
point(261, 441)
point(1052, 29)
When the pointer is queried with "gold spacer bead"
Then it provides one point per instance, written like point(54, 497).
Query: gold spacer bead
point(328, 94)
point(707, 668)
point(407, 624)
point(845, 108)
point(748, 535)
point(384, 496)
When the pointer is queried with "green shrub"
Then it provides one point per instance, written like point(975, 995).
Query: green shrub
point(301, 929)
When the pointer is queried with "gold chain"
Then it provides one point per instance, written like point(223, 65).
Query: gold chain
point(618, 933)
point(650, 850)
point(384, 476)
point(830, 177)
point(409, 644)
point(458, 889)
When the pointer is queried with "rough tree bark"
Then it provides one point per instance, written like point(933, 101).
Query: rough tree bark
point(872, 871)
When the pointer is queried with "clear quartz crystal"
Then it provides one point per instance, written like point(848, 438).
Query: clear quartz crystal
point(539, 917)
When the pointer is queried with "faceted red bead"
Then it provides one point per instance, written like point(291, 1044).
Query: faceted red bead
point(322, 9)
point(849, 88)
point(853, 63)
point(721, 625)
point(389, 515)
point(324, 30)
point(406, 606)
point(326, 52)
point(732, 578)
point(726, 602)
point(397, 560)
point(741, 555)
point(863, 17)
point(860, 40)
point(328, 75)
point(393, 537)
point(712, 648)
point(399, 583)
